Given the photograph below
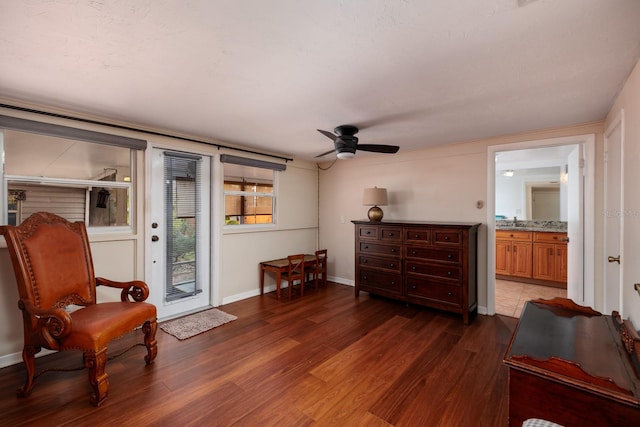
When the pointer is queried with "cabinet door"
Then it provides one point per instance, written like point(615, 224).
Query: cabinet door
point(503, 257)
point(561, 263)
point(521, 259)
point(544, 265)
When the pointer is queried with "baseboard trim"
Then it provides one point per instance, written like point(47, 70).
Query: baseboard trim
point(15, 358)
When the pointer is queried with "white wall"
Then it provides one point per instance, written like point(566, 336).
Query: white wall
point(296, 232)
point(629, 101)
point(442, 183)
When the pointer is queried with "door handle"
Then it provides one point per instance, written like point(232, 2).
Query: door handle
point(154, 238)
point(614, 259)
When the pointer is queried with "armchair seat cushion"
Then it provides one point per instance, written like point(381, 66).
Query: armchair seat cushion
point(96, 325)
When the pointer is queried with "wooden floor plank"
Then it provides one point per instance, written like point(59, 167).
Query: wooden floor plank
point(326, 358)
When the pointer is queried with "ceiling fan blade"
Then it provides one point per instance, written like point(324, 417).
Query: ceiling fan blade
point(324, 154)
point(377, 148)
point(327, 134)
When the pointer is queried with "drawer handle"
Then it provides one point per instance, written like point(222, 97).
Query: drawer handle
point(446, 237)
point(449, 273)
point(393, 283)
point(390, 234)
point(366, 246)
point(449, 256)
point(413, 253)
point(368, 232)
point(413, 268)
point(413, 287)
point(364, 261)
point(393, 251)
point(392, 265)
point(417, 235)
point(364, 277)
point(450, 294)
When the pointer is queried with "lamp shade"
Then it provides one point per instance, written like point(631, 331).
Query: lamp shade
point(374, 197)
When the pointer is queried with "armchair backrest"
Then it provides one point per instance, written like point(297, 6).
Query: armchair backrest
point(52, 261)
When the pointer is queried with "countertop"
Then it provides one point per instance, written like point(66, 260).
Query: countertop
point(532, 225)
point(538, 229)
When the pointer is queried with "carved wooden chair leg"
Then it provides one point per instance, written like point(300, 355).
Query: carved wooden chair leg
point(29, 357)
point(98, 378)
point(149, 329)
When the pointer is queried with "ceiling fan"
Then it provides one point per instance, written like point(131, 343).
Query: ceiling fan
point(346, 143)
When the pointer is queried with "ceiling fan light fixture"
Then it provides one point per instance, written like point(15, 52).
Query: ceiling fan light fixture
point(345, 155)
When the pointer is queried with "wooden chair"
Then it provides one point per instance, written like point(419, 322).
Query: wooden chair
point(53, 267)
point(319, 267)
point(295, 272)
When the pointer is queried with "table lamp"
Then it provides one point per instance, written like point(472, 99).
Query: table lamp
point(375, 197)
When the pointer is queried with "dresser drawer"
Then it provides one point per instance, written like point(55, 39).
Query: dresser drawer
point(444, 271)
point(381, 280)
point(433, 290)
point(417, 235)
point(391, 234)
point(366, 232)
point(386, 263)
point(376, 248)
point(446, 237)
point(448, 255)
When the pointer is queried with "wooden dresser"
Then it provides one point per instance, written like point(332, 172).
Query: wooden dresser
point(426, 263)
point(573, 366)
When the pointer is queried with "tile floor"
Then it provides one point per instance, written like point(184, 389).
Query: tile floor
point(511, 296)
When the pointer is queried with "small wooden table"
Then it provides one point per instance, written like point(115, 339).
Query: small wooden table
point(571, 365)
point(278, 266)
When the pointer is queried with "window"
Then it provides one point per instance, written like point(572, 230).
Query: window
point(78, 180)
point(248, 195)
point(13, 206)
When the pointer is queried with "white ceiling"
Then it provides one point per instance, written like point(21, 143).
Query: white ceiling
point(266, 74)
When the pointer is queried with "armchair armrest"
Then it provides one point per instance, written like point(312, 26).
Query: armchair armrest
point(136, 289)
point(55, 322)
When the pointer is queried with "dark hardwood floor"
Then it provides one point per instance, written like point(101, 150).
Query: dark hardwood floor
point(323, 359)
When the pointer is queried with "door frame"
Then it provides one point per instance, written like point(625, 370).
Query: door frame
point(213, 291)
point(587, 293)
point(617, 122)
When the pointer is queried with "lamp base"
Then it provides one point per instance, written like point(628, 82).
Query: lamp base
point(375, 214)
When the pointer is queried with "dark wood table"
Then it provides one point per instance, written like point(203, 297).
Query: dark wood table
point(278, 266)
point(570, 365)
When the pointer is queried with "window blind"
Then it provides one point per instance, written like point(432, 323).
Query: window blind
point(50, 129)
point(182, 177)
point(244, 161)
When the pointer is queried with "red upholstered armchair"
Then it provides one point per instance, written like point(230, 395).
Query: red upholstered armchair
point(53, 267)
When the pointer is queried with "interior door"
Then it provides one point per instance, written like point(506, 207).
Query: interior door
point(613, 222)
point(180, 232)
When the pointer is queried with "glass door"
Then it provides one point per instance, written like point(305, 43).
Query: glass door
point(180, 232)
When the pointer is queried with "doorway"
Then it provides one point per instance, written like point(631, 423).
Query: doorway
point(180, 232)
point(576, 207)
point(544, 201)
